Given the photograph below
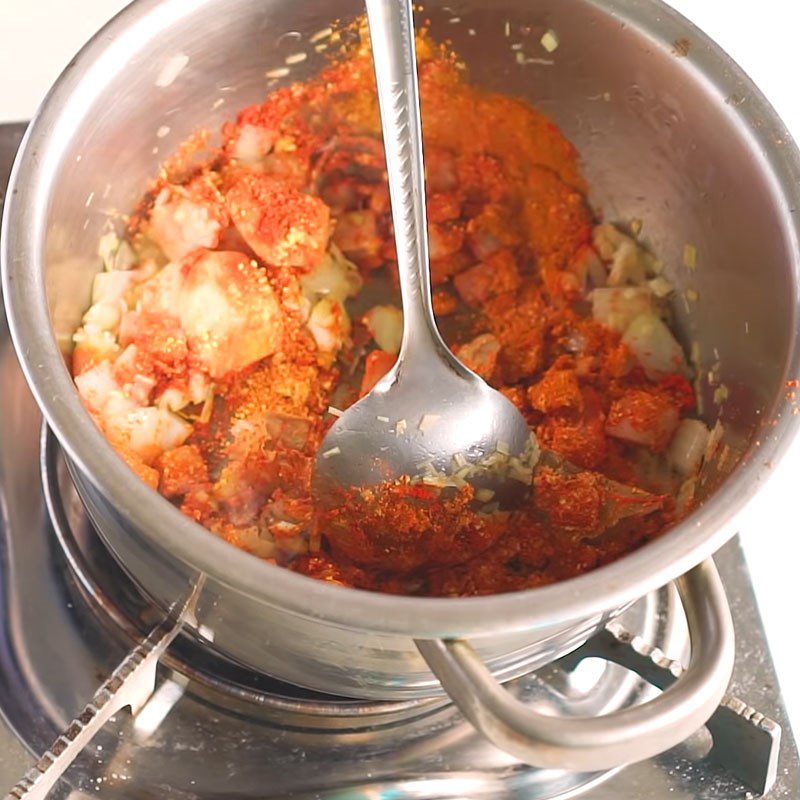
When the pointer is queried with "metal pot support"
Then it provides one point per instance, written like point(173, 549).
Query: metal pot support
point(744, 741)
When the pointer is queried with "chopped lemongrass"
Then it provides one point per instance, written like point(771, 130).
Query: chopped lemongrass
point(484, 495)
point(516, 46)
point(507, 29)
point(690, 256)
point(295, 58)
point(319, 35)
point(382, 419)
point(400, 427)
point(549, 41)
point(459, 460)
point(320, 48)
point(334, 451)
point(502, 447)
point(279, 72)
point(465, 472)
point(519, 57)
point(335, 412)
point(427, 422)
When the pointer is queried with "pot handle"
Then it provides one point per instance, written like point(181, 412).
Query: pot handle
point(611, 740)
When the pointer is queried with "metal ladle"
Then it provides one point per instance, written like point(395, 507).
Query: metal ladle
point(429, 413)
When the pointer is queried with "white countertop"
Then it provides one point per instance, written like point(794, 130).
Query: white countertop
point(38, 37)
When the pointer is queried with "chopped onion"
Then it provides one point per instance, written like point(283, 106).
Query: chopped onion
point(149, 431)
point(385, 323)
point(125, 257)
point(200, 387)
point(660, 287)
point(617, 307)
point(630, 262)
point(109, 287)
point(654, 346)
point(628, 266)
point(607, 240)
point(334, 277)
point(253, 143)
point(688, 446)
point(596, 274)
point(329, 324)
point(252, 540)
point(103, 317)
point(107, 249)
point(96, 385)
point(116, 254)
point(140, 389)
point(173, 399)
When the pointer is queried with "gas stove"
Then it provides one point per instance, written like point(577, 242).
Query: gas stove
point(211, 729)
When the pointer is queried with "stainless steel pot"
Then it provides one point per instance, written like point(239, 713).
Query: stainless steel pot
point(684, 142)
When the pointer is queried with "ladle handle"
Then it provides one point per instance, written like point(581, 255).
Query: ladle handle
point(391, 25)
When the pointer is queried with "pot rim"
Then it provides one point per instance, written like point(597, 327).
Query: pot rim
point(598, 591)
